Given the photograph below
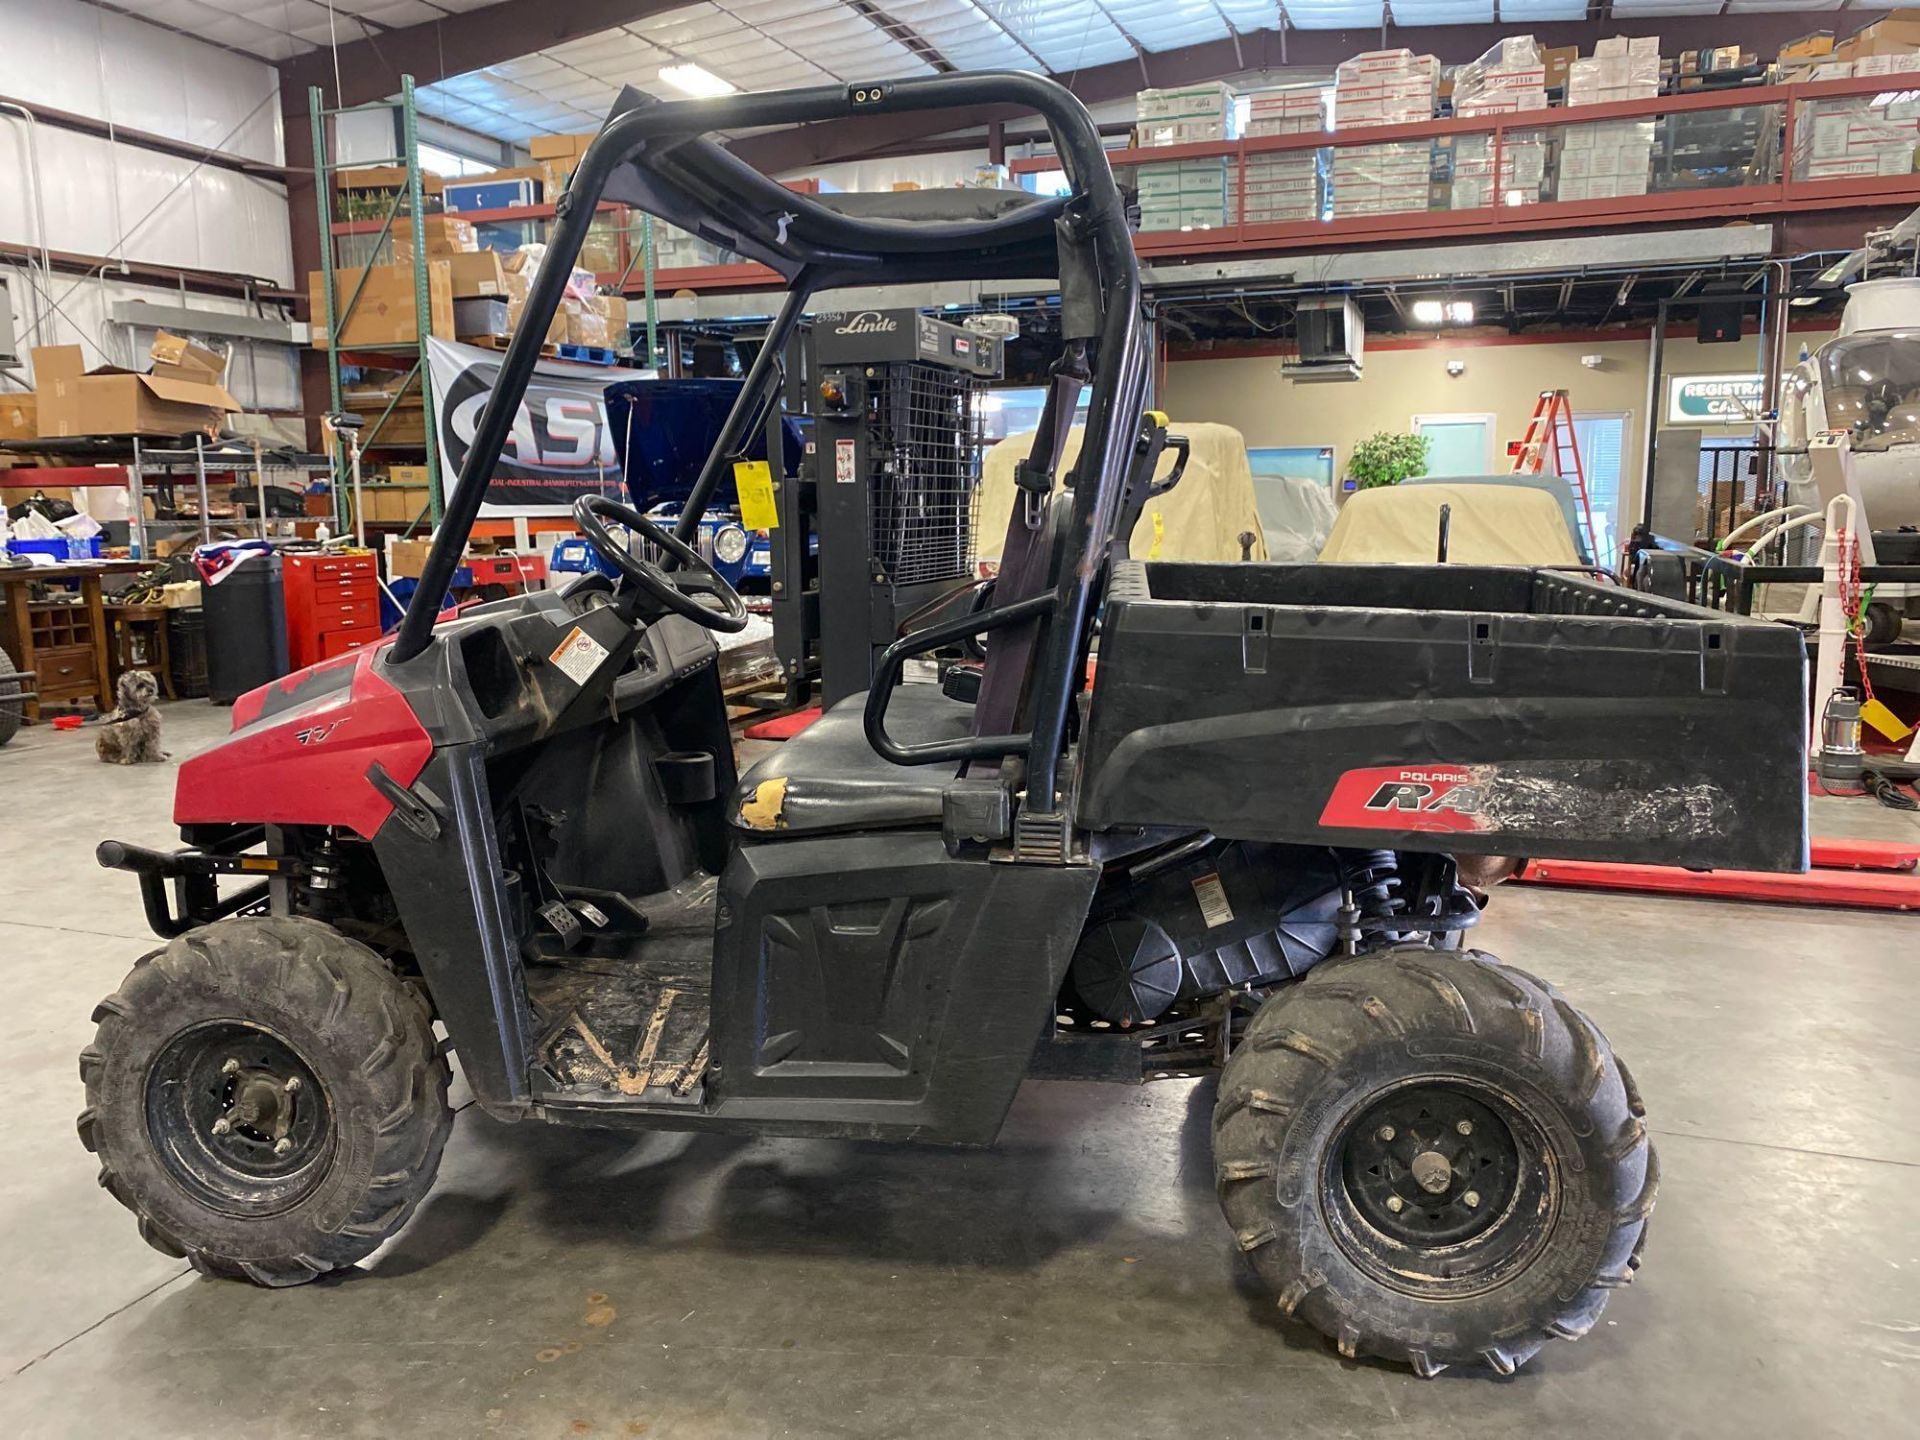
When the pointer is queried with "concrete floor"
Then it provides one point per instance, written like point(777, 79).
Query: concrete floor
point(1076, 1280)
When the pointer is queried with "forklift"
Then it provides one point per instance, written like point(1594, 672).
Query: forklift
point(1230, 843)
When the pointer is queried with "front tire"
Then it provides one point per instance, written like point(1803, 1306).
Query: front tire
point(1433, 1158)
point(267, 1097)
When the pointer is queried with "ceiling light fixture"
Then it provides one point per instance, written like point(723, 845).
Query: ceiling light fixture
point(690, 79)
point(1449, 312)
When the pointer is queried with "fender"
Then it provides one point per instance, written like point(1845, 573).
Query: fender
point(302, 749)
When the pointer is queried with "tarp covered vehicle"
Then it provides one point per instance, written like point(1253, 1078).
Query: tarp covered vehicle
point(1235, 849)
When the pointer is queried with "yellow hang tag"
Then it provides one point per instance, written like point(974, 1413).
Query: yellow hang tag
point(1159, 534)
point(753, 482)
point(1885, 721)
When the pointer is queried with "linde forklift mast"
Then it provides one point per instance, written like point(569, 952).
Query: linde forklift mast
point(878, 523)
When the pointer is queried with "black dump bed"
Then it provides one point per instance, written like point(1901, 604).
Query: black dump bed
point(1483, 710)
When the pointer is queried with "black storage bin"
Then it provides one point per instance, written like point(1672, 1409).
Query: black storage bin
point(246, 628)
point(187, 644)
point(1471, 709)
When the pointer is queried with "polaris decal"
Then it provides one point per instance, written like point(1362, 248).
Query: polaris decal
point(1594, 799)
point(1410, 797)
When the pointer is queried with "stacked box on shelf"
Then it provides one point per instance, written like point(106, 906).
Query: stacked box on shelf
point(1605, 160)
point(1284, 112)
point(1189, 115)
point(1523, 169)
point(1852, 135)
point(1280, 186)
point(1381, 179)
point(1385, 87)
point(1904, 64)
point(1508, 79)
point(1620, 69)
point(1183, 194)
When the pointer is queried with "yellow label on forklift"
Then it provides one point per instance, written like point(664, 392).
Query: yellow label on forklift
point(753, 482)
point(1159, 535)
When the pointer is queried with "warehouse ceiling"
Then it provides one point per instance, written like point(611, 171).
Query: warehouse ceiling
point(772, 44)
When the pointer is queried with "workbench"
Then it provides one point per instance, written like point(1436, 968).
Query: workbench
point(60, 648)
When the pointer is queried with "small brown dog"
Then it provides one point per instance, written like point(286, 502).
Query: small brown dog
point(131, 734)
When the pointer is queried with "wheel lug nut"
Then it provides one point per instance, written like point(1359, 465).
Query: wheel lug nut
point(1387, 1132)
point(1471, 1199)
point(222, 1125)
point(293, 1084)
point(1465, 1127)
point(1396, 1204)
point(283, 1145)
point(232, 1067)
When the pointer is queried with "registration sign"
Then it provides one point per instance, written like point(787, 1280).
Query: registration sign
point(1715, 399)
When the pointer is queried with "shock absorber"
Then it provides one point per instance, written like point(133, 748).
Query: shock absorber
point(325, 875)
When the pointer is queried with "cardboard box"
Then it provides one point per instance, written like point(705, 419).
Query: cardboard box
point(384, 314)
point(395, 503)
point(1558, 60)
point(476, 275)
point(1808, 47)
point(182, 393)
point(445, 234)
point(558, 147)
point(407, 475)
point(407, 559)
point(406, 426)
point(1893, 34)
point(19, 416)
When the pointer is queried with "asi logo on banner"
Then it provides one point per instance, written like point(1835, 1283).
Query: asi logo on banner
point(561, 446)
point(1715, 399)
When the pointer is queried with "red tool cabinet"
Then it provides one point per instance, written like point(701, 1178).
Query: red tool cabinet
point(333, 605)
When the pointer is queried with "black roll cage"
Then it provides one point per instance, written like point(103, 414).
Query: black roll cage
point(654, 155)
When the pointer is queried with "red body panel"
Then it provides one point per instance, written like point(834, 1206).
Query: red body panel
point(1406, 797)
point(306, 764)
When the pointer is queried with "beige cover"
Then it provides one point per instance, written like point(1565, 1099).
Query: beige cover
point(1201, 518)
point(1491, 525)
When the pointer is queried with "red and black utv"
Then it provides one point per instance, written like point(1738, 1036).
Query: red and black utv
point(1239, 847)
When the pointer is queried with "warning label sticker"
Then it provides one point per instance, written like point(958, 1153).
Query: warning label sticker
point(578, 656)
point(1212, 896)
point(843, 463)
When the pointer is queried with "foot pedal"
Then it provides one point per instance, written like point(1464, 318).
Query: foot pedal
point(564, 924)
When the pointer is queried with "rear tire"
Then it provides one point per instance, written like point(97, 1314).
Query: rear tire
point(1433, 1158)
point(267, 1097)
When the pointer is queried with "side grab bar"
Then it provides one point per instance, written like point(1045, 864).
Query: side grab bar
point(893, 659)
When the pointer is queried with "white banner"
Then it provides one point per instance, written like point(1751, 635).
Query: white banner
point(560, 447)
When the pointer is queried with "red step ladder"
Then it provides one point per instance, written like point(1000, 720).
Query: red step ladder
point(1550, 431)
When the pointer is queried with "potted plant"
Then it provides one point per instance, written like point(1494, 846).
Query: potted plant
point(1387, 459)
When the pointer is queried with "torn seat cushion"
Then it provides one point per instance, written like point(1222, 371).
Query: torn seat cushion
point(827, 778)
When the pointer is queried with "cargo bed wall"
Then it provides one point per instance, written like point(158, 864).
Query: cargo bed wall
point(1448, 708)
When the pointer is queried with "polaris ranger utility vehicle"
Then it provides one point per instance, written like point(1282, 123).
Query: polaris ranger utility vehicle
point(1234, 847)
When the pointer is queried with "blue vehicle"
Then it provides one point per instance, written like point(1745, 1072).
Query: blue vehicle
point(662, 431)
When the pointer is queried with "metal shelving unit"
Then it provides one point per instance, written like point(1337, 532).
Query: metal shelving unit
point(408, 195)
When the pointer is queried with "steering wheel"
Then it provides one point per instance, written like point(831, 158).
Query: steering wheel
point(672, 593)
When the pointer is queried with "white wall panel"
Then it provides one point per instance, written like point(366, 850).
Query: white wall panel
point(107, 66)
point(217, 220)
point(117, 199)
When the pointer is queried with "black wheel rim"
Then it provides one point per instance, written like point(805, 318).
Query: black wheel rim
point(239, 1119)
point(1441, 1186)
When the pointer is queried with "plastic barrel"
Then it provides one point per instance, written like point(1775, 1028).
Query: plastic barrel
point(246, 628)
point(187, 644)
